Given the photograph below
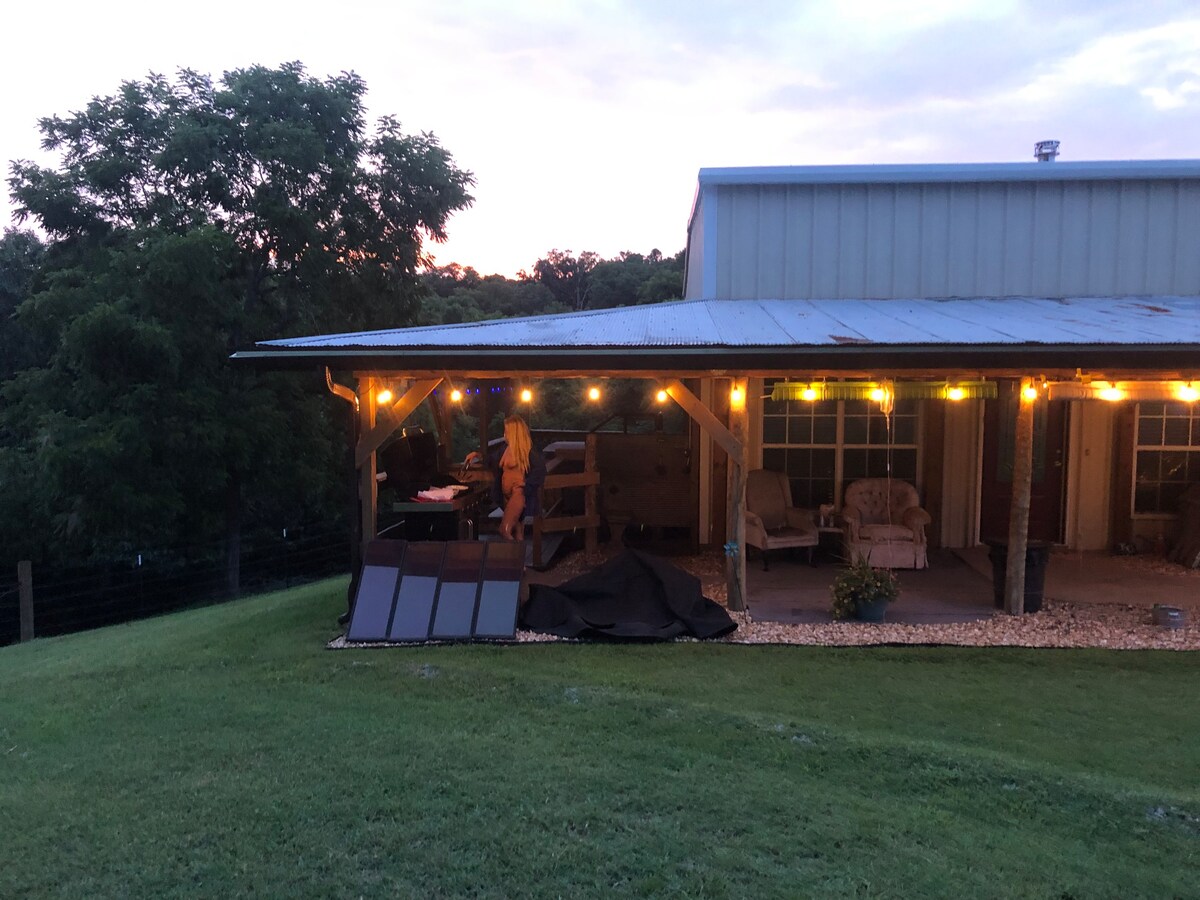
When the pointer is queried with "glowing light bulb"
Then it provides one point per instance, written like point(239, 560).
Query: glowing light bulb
point(955, 393)
point(1029, 392)
point(593, 393)
point(661, 396)
point(526, 395)
point(384, 396)
point(1187, 393)
point(808, 394)
point(737, 397)
point(1112, 394)
point(455, 395)
point(877, 394)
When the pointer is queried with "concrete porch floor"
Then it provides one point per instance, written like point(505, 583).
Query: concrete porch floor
point(957, 586)
point(794, 592)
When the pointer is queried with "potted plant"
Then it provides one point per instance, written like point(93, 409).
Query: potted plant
point(863, 592)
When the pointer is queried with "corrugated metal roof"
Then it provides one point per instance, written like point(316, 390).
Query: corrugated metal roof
point(1089, 170)
point(741, 324)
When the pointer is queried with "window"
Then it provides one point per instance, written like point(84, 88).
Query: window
point(1166, 457)
point(824, 445)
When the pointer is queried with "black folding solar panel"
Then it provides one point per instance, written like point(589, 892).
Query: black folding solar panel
point(418, 589)
point(454, 614)
point(376, 591)
point(499, 590)
point(434, 590)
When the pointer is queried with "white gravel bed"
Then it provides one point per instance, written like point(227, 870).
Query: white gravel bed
point(1059, 624)
point(1062, 625)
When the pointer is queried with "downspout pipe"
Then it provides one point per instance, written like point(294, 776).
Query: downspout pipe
point(340, 390)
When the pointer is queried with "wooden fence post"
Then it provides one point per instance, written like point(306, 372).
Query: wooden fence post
point(25, 590)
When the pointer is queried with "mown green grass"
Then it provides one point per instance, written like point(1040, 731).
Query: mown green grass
point(223, 752)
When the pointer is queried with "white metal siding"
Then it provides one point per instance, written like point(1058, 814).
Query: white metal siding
point(693, 288)
point(1042, 238)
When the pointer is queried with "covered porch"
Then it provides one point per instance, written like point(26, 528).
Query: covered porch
point(704, 356)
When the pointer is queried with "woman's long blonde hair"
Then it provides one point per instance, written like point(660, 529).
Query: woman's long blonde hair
point(520, 442)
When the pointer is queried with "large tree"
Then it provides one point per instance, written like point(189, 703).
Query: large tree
point(187, 219)
point(568, 277)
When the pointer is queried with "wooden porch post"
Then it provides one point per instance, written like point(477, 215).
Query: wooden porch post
point(368, 489)
point(1018, 520)
point(736, 564)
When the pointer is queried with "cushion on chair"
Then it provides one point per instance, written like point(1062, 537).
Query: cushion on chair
point(885, 533)
point(784, 537)
point(878, 500)
point(767, 496)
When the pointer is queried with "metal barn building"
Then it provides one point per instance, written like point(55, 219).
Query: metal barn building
point(948, 287)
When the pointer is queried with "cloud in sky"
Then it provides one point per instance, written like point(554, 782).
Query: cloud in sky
point(585, 123)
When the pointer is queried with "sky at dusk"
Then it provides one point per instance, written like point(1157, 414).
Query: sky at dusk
point(585, 123)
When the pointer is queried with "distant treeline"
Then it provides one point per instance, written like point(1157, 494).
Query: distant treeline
point(186, 219)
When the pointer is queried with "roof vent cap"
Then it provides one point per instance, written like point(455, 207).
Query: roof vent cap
point(1045, 151)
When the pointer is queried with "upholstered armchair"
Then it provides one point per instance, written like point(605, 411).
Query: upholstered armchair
point(885, 524)
point(772, 523)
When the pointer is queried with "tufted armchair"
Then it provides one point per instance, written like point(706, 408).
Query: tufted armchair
point(885, 524)
point(771, 521)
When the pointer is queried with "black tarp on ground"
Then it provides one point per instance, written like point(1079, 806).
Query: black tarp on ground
point(635, 595)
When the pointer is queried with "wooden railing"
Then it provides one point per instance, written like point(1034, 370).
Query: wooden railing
point(550, 521)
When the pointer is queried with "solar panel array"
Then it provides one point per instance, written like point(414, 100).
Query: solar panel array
point(435, 590)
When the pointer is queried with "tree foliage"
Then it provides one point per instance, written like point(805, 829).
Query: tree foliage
point(188, 218)
point(568, 277)
point(559, 282)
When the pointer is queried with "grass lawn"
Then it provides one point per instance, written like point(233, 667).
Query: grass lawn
point(223, 751)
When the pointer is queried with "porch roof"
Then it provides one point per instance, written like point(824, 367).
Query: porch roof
point(693, 335)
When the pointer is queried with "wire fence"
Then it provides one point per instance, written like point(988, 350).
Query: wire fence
point(163, 579)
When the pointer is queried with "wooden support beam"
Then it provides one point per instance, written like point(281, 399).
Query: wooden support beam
point(1022, 482)
point(389, 418)
point(572, 479)
point(736, 561)
point(703, 417)
point(569, 523)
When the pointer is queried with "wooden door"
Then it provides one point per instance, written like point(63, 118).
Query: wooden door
point(1046, 520)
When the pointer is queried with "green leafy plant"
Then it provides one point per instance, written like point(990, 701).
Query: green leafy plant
point(860, 582)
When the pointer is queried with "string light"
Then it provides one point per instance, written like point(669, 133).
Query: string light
point(455, 396)
point(809, 393)
point(1111, 393)
point(1188, 393)
point(885, 398)
point(384, 396)
point(526, 395)
point(1029, 392)
point(593, 393)
point(661, 396)
point(955, 393)
point(736, 397)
